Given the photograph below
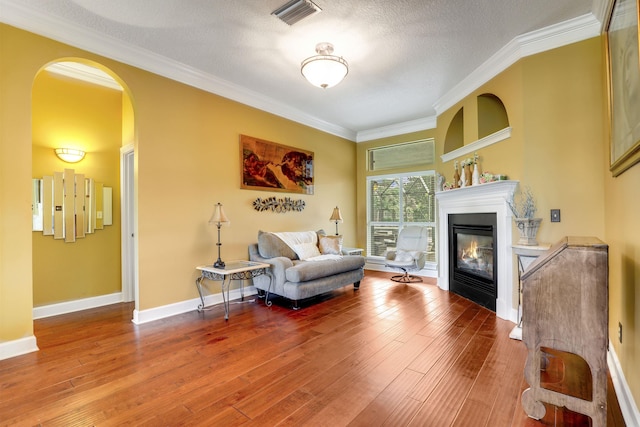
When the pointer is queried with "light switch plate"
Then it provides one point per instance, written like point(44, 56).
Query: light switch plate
point(555, 215)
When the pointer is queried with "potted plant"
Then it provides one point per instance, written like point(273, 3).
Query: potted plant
point(524, 210)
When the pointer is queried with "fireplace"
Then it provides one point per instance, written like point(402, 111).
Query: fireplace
point(485, 198)
point(473, 262)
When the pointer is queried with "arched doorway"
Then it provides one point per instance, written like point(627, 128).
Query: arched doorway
point(82, 105)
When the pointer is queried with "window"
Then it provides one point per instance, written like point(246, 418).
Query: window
point(402, 155)
point(397, 201)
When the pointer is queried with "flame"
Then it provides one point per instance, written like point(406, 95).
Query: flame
point(471, 251)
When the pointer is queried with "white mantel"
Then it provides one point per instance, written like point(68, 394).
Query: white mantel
point(484, 198)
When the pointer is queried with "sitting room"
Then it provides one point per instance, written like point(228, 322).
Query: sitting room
point(237, 242)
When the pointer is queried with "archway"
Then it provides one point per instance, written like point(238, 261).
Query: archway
point(82, 105)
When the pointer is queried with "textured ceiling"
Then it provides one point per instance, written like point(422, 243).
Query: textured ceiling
point(403, 55)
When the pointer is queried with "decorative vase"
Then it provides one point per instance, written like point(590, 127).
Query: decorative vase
point(456, 176)
point(463, 176)
point(475, 178)
point(467, 174)
point(528, 228)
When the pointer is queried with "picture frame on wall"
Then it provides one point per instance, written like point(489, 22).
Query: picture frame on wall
point(270, 166)
point(623, 65)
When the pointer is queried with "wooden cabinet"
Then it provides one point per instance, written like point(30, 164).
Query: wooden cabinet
point(565, 316)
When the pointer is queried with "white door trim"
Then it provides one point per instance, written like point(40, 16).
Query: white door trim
point(128, 229)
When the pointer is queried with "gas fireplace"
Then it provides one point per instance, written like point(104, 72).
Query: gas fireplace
point(486, 198)
point(472, 257)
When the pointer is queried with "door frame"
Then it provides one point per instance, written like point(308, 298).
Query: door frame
point(129, 237)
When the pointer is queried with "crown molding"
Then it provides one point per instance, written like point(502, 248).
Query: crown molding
point(554, 36)
point(397, 129)
point(16, 14)
point(602, 11)
point(21, 16)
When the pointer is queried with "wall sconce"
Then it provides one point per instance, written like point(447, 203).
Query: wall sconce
point(69, 155)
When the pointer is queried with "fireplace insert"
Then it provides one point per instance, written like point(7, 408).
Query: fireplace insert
point(473, 257)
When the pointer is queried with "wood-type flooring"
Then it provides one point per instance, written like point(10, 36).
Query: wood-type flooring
point(387, 355)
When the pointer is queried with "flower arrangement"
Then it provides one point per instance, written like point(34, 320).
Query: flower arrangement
point(487, 177)
point(525, 206)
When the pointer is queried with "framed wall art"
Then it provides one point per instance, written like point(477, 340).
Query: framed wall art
point(624, 85)
point(270, 166)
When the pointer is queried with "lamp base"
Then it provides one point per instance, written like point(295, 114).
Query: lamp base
point(218, 264)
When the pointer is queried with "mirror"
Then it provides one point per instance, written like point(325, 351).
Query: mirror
point(36, 204)
point(69, 206)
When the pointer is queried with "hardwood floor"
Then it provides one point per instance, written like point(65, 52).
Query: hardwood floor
point(386, 355)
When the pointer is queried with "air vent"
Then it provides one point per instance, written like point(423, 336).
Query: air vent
point(296, 10)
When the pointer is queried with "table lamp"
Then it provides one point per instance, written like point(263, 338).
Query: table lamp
point(218, 218)
point(336, 217)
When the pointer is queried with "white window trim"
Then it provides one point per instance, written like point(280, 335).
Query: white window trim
point(377, 262)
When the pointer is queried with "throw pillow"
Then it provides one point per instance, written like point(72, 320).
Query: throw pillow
point(330, 245)
point(306, 250)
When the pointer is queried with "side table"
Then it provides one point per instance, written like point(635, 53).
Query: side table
point(352, 251)
point(525, 255)
point(234, 270)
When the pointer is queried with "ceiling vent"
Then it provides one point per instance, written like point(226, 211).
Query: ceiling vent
point(296, 10)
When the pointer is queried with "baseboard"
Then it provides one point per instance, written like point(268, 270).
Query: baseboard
point(627, 403)
point(18, 347)
point(76, 305)
point(157, 313)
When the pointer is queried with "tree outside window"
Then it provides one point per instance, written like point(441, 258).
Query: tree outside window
point(397, 201)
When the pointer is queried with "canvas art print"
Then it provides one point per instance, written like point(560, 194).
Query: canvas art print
point(624, 85)
point(275, 167)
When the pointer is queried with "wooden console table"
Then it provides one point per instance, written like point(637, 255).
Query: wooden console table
point(234, 270)
point(565, 317)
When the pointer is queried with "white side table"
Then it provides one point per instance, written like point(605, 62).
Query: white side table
point(526, 255)
point(352, 251)
point(234, 270)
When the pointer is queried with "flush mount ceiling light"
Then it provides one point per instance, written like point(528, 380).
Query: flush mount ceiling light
point(324, 69)
point(69, 155)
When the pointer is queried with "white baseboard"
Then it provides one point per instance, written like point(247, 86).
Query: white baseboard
point(18, 347)
point(157, 313)
point(76, 305)
point(627, 403)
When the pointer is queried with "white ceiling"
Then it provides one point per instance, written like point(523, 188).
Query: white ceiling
point(408, 59)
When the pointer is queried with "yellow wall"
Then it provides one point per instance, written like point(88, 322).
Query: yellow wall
point(622, 201)
point(70, 113)
point(556, 102)
point(187, 159)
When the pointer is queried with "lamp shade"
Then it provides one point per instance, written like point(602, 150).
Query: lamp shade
point(218, 216)
point(324, 70)
point(335, 215)
point(69, 155)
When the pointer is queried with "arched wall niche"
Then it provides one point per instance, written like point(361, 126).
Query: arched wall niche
point(492, 115)
point(455, 133)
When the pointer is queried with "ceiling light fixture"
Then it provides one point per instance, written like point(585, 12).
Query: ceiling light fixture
point(69, 155)
point(324, 69)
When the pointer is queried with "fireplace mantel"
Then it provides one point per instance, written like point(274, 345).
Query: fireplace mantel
point(484, 198)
